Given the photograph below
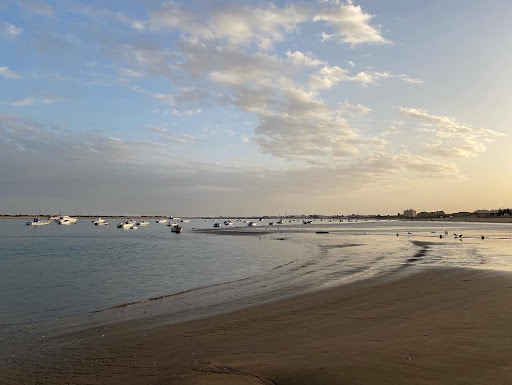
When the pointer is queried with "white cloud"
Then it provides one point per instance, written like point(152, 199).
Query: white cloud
point(450, 137)
point(368, 77)
point(408, 79)
point(354, 109)
point(8, 74)
point(172, 137)
point(350, 23)
point(327, 77)
point(8, 31)
point(303, 59)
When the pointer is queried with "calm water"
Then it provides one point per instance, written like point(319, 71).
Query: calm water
point(56, 271)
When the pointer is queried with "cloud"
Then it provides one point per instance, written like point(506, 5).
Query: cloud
point(8, 74)
point(354, 109)
point(49, 99)
point(393, 129)
point(349, 22)
point(408, 79)
point(8, 31)
point(450, 137)
point(92, 164)
point(172, 137)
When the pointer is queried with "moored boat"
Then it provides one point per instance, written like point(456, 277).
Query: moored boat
point(66, 220)
point(176, 228)
point(37, 222)
point(100, 222)
point(128, 224)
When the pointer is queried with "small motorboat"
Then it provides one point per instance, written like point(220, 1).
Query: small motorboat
point(176, 228)
point(126, 224)
point(65, 220)
point(100, 222)
point(142, 223)
point(37, 222)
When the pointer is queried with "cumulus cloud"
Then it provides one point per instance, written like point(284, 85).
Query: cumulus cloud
point(450, 137)
point(8, 74)
point(8, 31)
point(354, 109)
point(349, 22)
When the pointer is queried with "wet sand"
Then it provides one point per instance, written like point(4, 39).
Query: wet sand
point(443, 326)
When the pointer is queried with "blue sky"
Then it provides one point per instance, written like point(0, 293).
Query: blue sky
point(254, 107)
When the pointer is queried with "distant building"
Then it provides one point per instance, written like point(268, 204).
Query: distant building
point(409, 213)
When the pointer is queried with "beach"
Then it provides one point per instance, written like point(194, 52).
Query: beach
point(437, 326)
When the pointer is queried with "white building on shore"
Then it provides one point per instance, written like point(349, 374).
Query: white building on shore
point(409, 213)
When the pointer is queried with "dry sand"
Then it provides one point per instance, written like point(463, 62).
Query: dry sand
point(447, 326)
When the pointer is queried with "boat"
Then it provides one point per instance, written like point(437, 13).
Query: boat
point(142, 223)
point(280, 222)
point(134, 227)
point(128, 224)
point(100, 222)
point(228, 223)
point(175, 218)
point(251, 224)
point(176, 228)
point(185, 220)
point(163, 220)
point(37, 222)
point(65, 220)
point(172, 224)
point(216, 224)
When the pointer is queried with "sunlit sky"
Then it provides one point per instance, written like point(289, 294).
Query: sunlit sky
point(254, 107)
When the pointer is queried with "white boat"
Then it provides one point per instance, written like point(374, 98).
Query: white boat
point(251, 224)
point(172, 224)
point(176, 228)
point(163, 220)
point(216, 224)
point(100, 222)
point(185, 220)
point(175, 218)
point(134, 227)
point(37, 222)
point(142, 223)
point(65, 220)
point(280, 222)
point(126, 224)
point(228, 223)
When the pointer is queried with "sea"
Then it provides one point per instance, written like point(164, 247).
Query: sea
point(87, 273)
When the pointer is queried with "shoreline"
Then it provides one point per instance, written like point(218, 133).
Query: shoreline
point(435, 326)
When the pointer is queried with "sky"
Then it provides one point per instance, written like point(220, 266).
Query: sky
point(254, 107)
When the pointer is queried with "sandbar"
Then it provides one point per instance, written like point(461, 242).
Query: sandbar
point(438, 326)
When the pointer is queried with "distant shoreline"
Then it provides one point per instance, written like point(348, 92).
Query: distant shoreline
point(453, 219)
point(462, 219)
